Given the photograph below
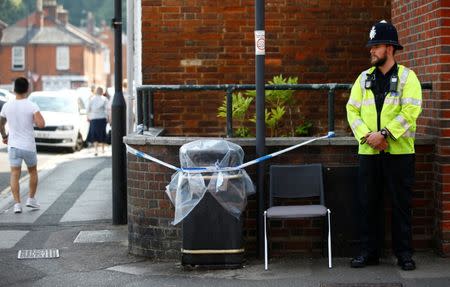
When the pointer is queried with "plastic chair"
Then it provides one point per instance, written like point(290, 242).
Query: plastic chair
point(296, 181)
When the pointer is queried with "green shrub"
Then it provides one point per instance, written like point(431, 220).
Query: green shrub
point(278, 104)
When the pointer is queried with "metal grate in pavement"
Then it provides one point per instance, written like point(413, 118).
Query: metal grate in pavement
point(361, 285)
point(38, 254)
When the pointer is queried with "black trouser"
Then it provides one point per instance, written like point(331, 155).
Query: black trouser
point(395, 173)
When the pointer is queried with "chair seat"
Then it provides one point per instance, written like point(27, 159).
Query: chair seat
point(296, 211)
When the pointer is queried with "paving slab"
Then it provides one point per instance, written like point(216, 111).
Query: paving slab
point(9, 238)
point(98, 236)
point(96, 202)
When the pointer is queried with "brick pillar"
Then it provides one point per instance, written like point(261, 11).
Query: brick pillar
point(423, 31)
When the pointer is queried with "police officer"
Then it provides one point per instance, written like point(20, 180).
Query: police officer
point(382, 110)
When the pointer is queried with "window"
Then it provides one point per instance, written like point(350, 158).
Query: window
point(18, 58)
point(62, 58)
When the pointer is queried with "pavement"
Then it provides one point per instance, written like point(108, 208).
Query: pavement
point(75, 221)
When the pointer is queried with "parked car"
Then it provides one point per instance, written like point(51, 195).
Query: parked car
point(3, 100)
point(85, 94)
point(5, 96)
point(65, 118)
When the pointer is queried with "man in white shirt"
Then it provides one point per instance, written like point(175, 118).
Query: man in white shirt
point(21, 115)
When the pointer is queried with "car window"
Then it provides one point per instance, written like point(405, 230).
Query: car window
point(55, 104)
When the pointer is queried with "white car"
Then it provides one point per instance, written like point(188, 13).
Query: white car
point(5, 96)
point(66, 123)
point(3, 100)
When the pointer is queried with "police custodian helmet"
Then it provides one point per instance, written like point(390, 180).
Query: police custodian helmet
point(383, 33)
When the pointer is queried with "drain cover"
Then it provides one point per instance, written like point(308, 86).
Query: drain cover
point(361, 285)
point(38, 254)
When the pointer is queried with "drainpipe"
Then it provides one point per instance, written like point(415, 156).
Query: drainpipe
point(130, 65)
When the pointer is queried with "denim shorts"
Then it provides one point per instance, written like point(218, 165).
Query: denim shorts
point(16, 156)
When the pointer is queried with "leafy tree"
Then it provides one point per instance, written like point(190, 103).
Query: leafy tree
point(103, 10)
point(13, 10)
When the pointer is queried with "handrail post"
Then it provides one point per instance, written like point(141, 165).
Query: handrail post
point(145, 111)
point(230, 112)
point(151, 110)
point(331, 111)
point(139, 107)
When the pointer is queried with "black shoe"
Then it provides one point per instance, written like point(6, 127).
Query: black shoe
point(364, 260)
point(406, 263)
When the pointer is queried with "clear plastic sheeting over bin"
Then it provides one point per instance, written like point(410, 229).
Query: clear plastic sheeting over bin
point(229, 188)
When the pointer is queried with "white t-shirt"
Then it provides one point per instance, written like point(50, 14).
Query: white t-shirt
point(19, 115)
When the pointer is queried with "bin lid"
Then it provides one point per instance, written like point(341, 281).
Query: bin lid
point(211, 152)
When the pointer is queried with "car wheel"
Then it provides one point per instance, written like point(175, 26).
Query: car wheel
point(78, 144)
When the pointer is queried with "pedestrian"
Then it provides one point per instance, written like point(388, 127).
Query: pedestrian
point(21, 114)
point(98, 118)
point(382, 110)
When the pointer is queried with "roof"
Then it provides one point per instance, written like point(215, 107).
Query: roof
point(57, 34)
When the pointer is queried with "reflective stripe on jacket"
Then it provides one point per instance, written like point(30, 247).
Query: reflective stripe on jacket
point(398, 115)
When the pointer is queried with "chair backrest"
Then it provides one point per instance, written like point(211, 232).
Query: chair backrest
point(296, 181)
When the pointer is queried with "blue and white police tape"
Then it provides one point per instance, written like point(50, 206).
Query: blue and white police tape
point(223, 169)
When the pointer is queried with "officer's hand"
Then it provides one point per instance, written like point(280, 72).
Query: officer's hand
point(382, 146)
point(377, 141)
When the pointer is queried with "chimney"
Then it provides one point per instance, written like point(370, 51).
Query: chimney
point(62, 15)
point(3, 25)
point(50, 7)
point(38, 20)
point(39, 5)
point(90, 23)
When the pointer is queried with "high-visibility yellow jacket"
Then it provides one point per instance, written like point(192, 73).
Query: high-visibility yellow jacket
point(398, 115)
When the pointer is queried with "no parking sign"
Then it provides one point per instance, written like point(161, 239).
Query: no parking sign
point(260, 42)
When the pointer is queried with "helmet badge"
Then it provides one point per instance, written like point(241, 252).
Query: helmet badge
point(372, 33)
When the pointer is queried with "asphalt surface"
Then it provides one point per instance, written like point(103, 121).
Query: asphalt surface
point(75, 218)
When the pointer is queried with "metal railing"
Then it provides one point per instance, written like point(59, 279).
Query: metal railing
point(145, 97)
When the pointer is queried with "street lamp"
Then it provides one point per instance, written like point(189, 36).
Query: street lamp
point(118, 127)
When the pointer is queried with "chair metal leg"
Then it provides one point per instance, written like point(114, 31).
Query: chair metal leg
point(266, 263)
point(329, 239)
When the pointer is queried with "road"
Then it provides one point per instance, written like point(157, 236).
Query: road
point(45, 156)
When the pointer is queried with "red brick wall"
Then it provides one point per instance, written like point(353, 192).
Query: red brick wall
point(150, 211)
point(212, 42)
point(424, 30)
